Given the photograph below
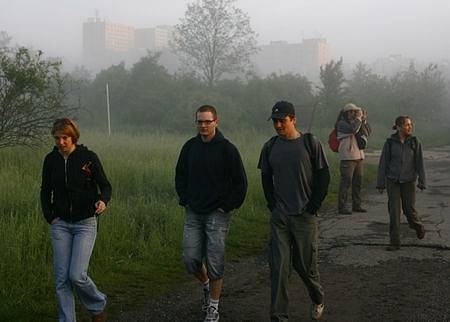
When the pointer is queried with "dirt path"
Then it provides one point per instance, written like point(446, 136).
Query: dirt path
point(362, 281)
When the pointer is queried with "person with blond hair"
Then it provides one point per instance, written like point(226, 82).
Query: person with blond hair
point(74, 191)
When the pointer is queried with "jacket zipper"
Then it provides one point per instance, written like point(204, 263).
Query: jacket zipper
point(68, 194)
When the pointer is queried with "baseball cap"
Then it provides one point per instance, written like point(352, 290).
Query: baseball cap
point(281, 109)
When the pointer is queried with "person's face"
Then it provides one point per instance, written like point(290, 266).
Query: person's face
point(206, 124)
point(64, 142)
point(407, 128)
point(285, 126)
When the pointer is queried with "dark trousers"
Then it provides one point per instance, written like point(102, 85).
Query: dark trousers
point(404, 194)
point(351, 176)
point(293, 239)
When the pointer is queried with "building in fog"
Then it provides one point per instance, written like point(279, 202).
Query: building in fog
point(157, 38)
point(105, 43)
point(303, 58)
point(392, 64)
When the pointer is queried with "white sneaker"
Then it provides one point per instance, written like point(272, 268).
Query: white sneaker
point(212, 314)
point(317, 311)
point(205, 303)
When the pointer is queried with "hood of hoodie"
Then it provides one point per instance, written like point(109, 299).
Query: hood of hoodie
point(218, 137)
point(78, 148)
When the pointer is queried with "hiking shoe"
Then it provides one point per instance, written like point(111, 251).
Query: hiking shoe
point(392, 248)
point(420, 232)
point(317, 311)
point(212, 314)
point(344, 212)
point(205, 303)
point(359, 209)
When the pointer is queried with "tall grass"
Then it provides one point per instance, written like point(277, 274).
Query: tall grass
point(138, 247)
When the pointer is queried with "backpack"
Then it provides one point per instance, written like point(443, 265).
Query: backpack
point(333, 141)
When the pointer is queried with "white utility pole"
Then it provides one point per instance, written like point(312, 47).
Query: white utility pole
point(107, 109)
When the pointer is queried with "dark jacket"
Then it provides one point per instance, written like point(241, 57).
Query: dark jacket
point(210, 175)
point(401, 162)
point(71, 188)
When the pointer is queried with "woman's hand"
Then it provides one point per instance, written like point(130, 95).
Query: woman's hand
point(100, 207)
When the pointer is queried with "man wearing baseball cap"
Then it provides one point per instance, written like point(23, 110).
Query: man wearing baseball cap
point(295, 178)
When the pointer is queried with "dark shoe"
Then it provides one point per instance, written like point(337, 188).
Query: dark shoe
point(420, 232)
point(359, 209)
point(99, 317)
point(392, 248)
point(344, 212)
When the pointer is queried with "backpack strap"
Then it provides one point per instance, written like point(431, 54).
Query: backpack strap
point(311, 148)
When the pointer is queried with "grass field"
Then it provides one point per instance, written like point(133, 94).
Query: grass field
point(137, 252)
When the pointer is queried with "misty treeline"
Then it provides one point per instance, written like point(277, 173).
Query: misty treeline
point(146, 96)
point(32, 94)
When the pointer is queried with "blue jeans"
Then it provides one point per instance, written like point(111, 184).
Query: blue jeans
point(72, 248)
point(204, 237)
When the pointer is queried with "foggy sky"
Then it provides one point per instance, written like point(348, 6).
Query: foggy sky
point(358, 30)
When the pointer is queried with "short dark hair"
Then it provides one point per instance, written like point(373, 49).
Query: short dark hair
point(207, 108)
point(400, 120)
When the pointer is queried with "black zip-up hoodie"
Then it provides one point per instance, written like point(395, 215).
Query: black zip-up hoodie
point(210, 175)
point(70, 188)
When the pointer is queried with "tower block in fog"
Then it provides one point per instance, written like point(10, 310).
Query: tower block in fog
point(106, 43)
point(315, 52)
point(304, 58)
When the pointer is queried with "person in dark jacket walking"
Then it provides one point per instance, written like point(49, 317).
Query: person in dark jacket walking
point(210, 181)
point(72, 175)
point(295, 179)
point(401, 163)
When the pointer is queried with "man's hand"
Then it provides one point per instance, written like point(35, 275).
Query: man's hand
point(100, 207)
point(54, 221)
point(421, 186)
point(380, 190)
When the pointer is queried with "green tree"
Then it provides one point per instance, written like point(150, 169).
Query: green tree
point(372, 92)
point(31, 96)
point(215, 38)
point(148, 98)
point(117, 77)
point(332, 93)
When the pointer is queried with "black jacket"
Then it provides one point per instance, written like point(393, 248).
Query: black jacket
point(210, 175)
point(71, 188)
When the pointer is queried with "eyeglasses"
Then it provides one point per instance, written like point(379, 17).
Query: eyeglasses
point(205, 122)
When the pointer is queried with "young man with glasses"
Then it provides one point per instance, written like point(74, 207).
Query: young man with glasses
point(210, 181)
point(295, 178)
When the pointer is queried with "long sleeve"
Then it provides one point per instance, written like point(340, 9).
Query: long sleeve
point(238, 181)
point(381, 176)
point(181, 177)
point(420, 168)
point(267, 184)
point(46, 191)
point(101, 179)
point(350, 127)
point(319, 190)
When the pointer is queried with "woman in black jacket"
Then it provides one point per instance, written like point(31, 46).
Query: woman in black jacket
point(401, 164)
point(74, 191)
